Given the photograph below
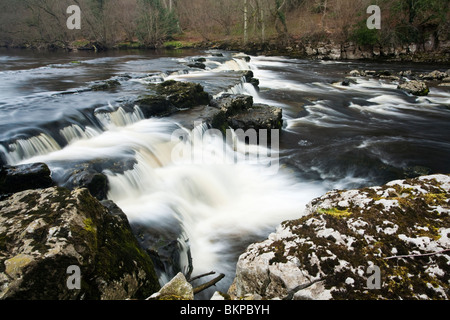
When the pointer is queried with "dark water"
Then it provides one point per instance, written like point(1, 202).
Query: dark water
point(334, 137)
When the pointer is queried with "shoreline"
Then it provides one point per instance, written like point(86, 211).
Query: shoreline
point(317, 50)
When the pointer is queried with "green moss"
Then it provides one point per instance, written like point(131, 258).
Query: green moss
point(80, 43)
point(177, 45)
point(335, 212)
point(89, 226)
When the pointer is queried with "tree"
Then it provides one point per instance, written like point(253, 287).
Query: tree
point(155, 23)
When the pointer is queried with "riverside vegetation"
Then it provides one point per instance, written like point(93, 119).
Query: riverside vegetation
point(416, 30)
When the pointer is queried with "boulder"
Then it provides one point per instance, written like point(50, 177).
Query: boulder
point(24, 177)
point(239, 112)
point(97, 183)
point(177, 289)
point(155, 106)
point(435, 75)
point(172, 96)
point(197, 65)
point(354, 73)
point(401, 229)
point(183, 95)
point(414, 87)
point(44, 233)
point(107, 85)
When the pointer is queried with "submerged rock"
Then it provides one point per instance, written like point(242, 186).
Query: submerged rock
point(44, 232)
point(414, 87)
point(401, 229)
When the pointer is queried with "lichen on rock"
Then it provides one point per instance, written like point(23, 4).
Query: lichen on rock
point(403, 228)
point(43, 232)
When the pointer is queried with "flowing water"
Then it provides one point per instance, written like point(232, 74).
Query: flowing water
point(334, 137)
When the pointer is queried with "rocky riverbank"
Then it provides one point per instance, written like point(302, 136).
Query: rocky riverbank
point(400, 229)
point(435, 49)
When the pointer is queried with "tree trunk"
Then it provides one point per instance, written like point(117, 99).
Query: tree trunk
point(245, 21)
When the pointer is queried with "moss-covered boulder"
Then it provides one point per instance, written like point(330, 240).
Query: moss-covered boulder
point(44, 232)
point(390, 242)
point(170, 97)
point(183, 95)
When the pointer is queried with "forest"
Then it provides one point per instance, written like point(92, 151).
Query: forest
point(155, 23)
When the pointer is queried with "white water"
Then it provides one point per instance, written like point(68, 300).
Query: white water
point(222, 205)
point(219, 204)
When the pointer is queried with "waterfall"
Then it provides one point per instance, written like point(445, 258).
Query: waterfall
point(119, 118)
point(31, 147)
point(75, 132)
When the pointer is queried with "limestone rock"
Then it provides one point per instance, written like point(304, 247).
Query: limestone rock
point(239, 112)
point(170, 97)
point(401, 227)
point(177, 289)
point(414, 87)
point(43, 232)
point(435, 75)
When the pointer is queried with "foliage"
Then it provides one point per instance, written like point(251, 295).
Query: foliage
point(153, 22)
point(364, 36)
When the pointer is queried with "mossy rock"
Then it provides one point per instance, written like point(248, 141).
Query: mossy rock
point(44, 232)
point(183, 95)
point(402, 228)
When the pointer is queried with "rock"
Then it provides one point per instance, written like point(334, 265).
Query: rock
point(43, 233)
point(407, 74)
point(239, 112)
point(347, 82)
point(172, 96)
point(107, 85)
point(197, 65)
point(435, 75)
point(403, 228)
point(24, 177)
point(97, 183)
point(167, 248)
point(414, 87)
point(177, 289)
point(155, 106)
point(354, 73)
point(448, 72)
point(183, 95)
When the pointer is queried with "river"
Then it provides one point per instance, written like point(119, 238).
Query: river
point(334, 137)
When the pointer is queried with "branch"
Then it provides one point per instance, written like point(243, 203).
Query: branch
point(418, 255)
point(201, 276)
point(208, 284)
